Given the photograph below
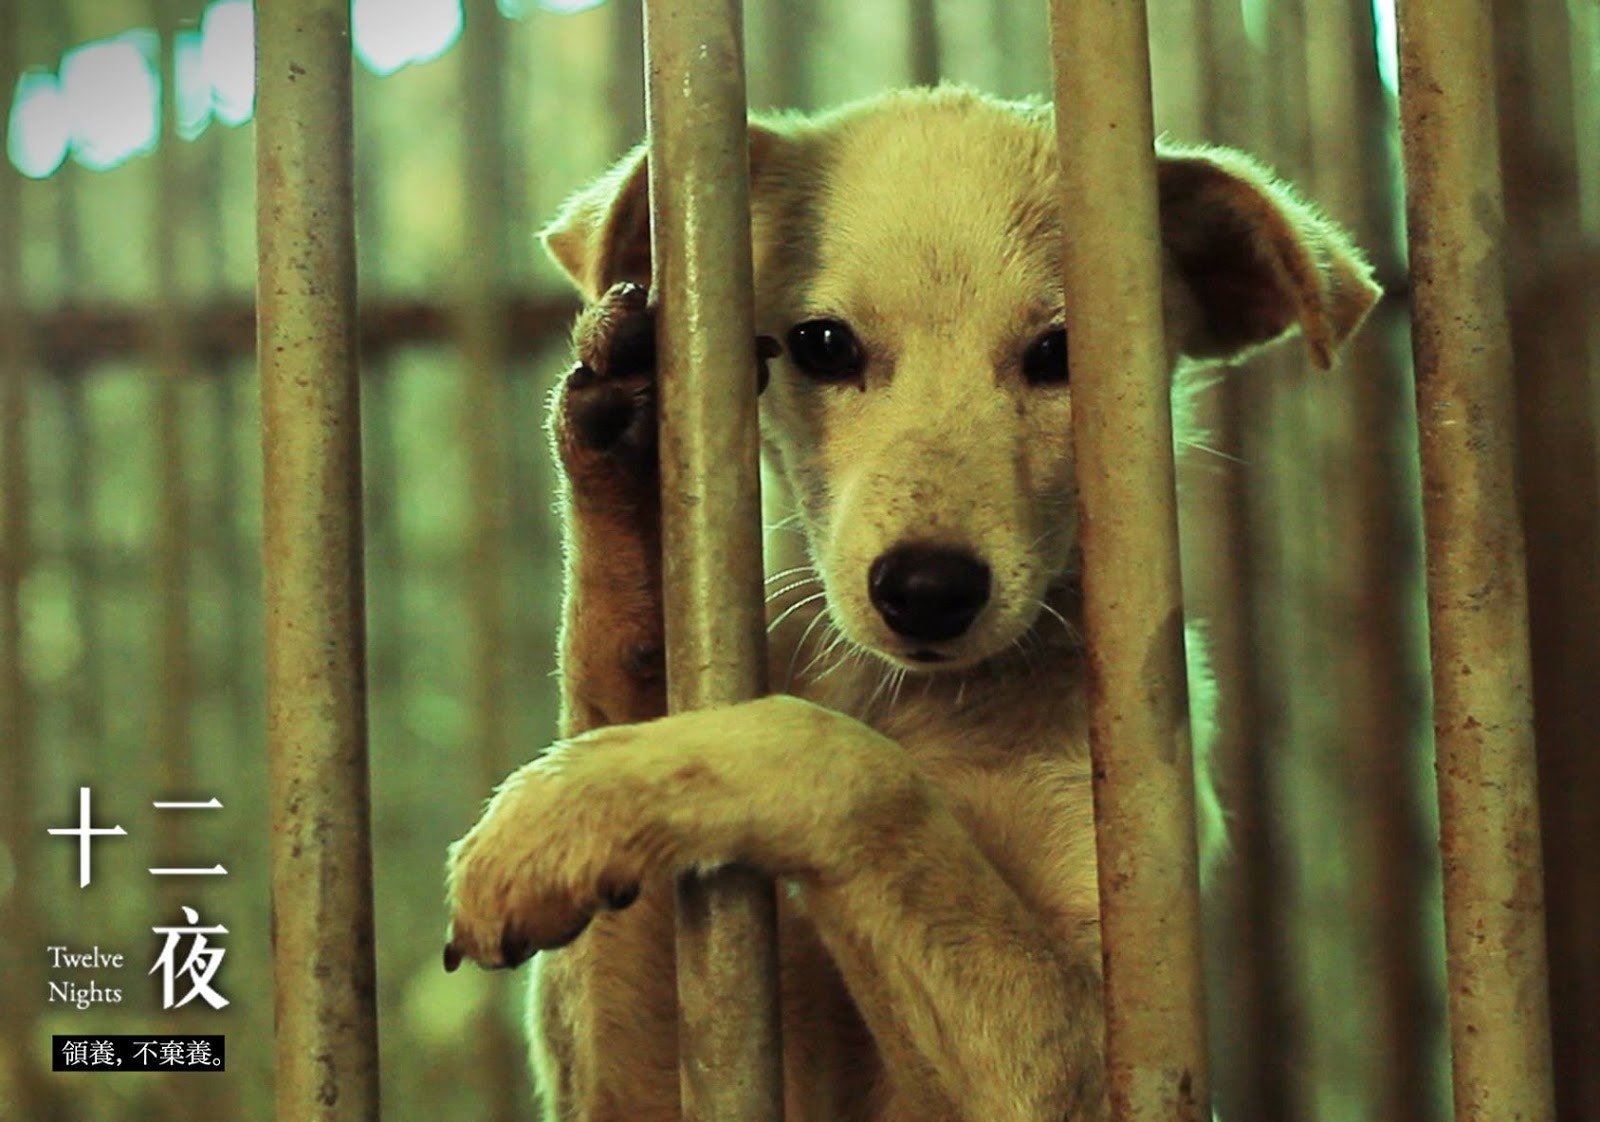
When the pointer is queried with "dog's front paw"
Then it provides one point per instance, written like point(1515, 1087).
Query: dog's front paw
point(605, 411)
point(604, 414)
point(549, 853)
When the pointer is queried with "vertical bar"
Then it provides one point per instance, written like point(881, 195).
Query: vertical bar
point(21, 981)
point(625, 111)
point(1483, 712)
point(1133, 613)
point(731, 1060)
point(1247, 1014)
point(924, 59)
point(1559, 471)
point(1391, 738)
point(484, 401)
point(1380, 671)
point(174, 367)
point(324, 976)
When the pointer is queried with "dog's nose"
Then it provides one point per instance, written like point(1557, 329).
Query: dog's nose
point(928, 593)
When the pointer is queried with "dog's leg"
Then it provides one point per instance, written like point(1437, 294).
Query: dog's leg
point(957, 978)
point(603, 427)
point(591, 1065)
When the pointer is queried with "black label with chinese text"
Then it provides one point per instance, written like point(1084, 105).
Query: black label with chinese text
point(136, 1052)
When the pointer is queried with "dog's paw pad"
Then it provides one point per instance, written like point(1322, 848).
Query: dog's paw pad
point(610, 416)
point(608, 402)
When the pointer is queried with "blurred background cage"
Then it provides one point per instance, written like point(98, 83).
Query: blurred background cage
point(131, 494)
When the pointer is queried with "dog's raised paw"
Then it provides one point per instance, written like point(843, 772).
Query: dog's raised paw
point(606, 408)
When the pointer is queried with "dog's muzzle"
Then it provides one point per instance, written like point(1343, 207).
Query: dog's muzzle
point(928, 593)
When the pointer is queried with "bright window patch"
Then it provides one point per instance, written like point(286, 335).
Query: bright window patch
point(40, 131)
point(391, 34)
point(228, 59)
point(113, 98)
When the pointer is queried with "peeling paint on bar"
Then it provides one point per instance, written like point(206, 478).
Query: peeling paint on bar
point(1477, 590)
point(1122, 434)
point(730, 1066)
point(327, 1063)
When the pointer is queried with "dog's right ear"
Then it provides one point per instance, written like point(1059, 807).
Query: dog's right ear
point(602, 235)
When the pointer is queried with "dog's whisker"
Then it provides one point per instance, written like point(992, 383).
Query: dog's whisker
point(885, 676)
point(853, 653)
point(790, 524)
point(788, 588)
point(832, 638)
point(793, 570)
point(793, 608)
point(1074, 636)
point(1200, 447)
point(788, 680)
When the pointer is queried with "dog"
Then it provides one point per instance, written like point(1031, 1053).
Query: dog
point(920, 784)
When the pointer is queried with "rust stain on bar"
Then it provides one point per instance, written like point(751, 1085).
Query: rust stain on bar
point(1477, 604)
point(327, 1062)
point(1122, 433)
point(730, 1067)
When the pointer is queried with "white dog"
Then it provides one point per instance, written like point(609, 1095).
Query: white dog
point(922, 790)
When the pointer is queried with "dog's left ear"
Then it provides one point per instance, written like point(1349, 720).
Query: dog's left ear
point(1257, 260)
point(602, 234)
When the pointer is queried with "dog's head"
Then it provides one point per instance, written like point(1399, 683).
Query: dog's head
point(908, 259)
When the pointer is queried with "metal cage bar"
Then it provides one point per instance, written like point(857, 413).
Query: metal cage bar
point(485, 406)
point(1541, 129)
point(1477, 591)
point(327, 1062)
point(173, 365)
point(731, 1054)
point(1128, 529)
point(22, 980)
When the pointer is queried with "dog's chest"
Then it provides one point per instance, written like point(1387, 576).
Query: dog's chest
point(1034, 820)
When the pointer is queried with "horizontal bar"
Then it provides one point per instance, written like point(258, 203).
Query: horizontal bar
point(71, 338)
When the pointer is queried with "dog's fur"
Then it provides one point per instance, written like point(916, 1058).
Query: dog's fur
point(930, 825)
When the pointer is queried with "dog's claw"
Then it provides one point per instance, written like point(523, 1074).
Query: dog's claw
point(452, 957)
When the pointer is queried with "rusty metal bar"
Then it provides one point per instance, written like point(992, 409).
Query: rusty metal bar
point(731, 1054)
point(485, 359)
point(22, 981)
point(324, 976)
point(1133, 613)
point(1477, 605)
point(1376, 680)
point(1541, 105)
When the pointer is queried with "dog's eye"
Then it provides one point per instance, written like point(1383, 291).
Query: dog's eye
point(825, 349)
point(1045, 360)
